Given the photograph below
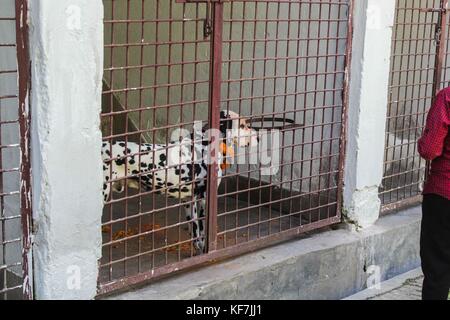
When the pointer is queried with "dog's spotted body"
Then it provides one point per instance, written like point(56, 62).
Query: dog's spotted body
point(172, 169)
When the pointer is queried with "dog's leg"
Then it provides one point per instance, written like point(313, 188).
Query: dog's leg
point(106, 185)
point(106, 191)
point(201, 244)
point(188, 211)
point(194, 219)
point(193, 225)
point(198, 232)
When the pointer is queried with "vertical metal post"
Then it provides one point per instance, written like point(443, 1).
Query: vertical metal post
point(345, 102)
point(214, 119)
point(23, 62)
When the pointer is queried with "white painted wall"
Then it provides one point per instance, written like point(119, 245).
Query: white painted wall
point(373, 22)
point(67, 59)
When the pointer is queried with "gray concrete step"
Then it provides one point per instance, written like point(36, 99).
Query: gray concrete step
point(407, 286)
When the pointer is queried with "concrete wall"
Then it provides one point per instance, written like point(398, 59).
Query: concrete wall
point(328, 265)
point(66, 49)
point(373, 21)
point(9, 135)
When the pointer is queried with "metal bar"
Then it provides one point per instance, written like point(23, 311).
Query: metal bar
point(392, 207)
point(24, 68)
point(15, 188)
point(214, 121)
point(410, 61)
point(200, 1)
point(345, 99)
point(416, 44)
point(129, 282)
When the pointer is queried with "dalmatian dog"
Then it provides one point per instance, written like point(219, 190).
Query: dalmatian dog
point(178, 169)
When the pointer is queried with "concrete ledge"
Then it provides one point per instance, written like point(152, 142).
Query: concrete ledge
point(387, 286)
point(330, 265)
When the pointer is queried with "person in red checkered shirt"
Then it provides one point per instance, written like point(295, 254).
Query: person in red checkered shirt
point(434, 146)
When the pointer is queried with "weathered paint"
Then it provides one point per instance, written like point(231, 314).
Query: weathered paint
point(367, 109)
point(23, 63)
point(67, 58)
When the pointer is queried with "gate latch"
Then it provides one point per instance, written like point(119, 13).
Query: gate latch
point(207, 24)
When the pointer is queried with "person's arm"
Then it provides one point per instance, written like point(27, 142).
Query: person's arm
point(431, 144)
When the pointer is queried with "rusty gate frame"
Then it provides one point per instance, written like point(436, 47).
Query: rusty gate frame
point(23, 70)
point(214, 25)
point(440, 38)
point(24, 75)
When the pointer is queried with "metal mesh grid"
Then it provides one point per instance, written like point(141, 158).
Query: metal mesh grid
point(14, 165)
point(411, 91)
point(169, 64)
point(284, 59)
point(156, 81)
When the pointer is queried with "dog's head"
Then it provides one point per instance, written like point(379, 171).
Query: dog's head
point(235, 127)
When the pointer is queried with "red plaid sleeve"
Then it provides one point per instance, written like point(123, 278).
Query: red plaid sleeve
point(431, 144)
